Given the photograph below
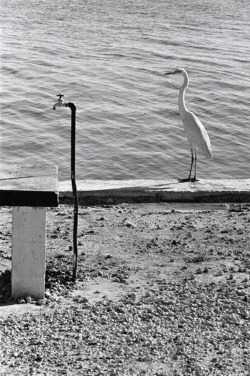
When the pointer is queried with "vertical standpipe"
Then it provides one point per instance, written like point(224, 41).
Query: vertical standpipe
point(74, 188)
point(72, 107)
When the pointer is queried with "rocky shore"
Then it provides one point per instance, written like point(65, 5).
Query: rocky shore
point(161, 291)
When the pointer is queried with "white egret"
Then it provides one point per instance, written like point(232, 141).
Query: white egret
point(196, 133)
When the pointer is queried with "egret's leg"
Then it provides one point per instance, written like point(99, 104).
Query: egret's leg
point(195, 162)
point(192, 162)
point(191, 167)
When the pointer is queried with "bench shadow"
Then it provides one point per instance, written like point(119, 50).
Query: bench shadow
point(5, 288)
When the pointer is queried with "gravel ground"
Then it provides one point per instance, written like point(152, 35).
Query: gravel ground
point(160, 291)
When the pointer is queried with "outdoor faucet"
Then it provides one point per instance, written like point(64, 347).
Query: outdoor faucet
point(60, 102)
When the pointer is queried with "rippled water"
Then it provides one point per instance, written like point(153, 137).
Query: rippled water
point(108, 56)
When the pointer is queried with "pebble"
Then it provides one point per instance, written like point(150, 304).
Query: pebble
point(41, 302)
point(28, 299)
point(108, 256)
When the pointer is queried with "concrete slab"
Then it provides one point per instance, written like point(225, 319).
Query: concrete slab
point(94, 192)
point(29, 186)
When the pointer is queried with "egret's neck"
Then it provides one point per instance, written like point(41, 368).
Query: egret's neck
point(182, 106)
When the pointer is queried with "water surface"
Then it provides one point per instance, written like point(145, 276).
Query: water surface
point(108, 57)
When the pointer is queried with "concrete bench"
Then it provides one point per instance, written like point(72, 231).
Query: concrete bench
point(29, 190)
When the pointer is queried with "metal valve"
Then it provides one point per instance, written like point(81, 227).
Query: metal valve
point(59, 103)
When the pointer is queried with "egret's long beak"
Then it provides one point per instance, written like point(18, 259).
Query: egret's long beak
point(173, 72)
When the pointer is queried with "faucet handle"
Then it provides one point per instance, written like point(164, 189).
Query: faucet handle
point(60, 102)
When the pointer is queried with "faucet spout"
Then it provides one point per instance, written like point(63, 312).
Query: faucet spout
point(60, 102)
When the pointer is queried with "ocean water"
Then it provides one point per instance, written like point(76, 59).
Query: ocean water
point(108, 57)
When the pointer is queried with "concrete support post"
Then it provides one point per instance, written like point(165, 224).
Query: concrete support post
point(28, 251)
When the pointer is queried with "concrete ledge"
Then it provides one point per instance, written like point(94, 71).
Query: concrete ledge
point(35, 186)
point(97, 192)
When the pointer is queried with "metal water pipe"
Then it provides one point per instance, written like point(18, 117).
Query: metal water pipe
point(72, 107)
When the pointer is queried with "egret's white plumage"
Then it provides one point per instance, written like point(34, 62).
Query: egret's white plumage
point(196, 133)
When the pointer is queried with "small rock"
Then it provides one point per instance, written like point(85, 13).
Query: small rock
point(41, 302)
point(38, 358)
point(83, 300)
point(47, 295)
point(198, 271)
point(130, 225)
point(76, 298)
point(108, 256)
point(90, 232)
point(245, 314)
point(132, 296)
point(28, 299)
point(240, 292)
point(244, 280)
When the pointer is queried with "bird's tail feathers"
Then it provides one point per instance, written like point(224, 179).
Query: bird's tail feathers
point(207, 150)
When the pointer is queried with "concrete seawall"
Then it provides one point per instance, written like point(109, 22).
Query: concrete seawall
point(97, 192)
